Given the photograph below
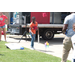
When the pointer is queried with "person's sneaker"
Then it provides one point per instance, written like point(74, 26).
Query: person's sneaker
point(31, 48)
point(5, 40)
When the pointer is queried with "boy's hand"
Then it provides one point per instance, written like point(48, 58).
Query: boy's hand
point(32, 34)
point(37, 29)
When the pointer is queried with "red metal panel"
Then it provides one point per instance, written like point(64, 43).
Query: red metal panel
point(41, 17)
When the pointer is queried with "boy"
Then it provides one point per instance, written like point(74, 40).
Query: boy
point(73, 43)
point(32, 30)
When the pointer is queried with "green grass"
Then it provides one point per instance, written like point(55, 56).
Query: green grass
point(26, 55)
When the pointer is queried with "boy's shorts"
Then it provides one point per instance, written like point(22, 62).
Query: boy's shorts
point(2, 26)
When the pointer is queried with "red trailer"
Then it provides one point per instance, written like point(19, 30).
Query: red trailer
point(41, 17)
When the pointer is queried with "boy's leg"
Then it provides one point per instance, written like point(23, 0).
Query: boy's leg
point(34, 37)
point(31, 40)
point(0, 33)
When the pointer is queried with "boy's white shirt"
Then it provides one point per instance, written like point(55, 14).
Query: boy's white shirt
point(73, 43)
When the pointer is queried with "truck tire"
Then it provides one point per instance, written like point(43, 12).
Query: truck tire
point(48, 34)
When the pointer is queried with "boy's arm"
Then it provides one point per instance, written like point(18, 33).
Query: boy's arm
point(37, 26)
point(30, 30)
point(37, 29)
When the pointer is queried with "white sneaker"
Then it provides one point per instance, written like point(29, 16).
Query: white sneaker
point(5, 40)
point(32, 48)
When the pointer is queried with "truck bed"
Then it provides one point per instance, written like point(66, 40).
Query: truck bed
point(47, 25)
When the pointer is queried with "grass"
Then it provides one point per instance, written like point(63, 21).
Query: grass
point(26, 55)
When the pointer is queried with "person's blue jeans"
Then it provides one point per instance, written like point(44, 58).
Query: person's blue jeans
point(32, 39)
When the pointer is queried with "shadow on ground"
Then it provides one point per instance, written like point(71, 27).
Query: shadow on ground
point(2, 55)
point(45, 51)
point(54, 41)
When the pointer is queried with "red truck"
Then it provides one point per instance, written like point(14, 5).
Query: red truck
point(49, 23)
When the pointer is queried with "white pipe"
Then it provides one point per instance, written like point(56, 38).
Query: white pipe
point(38, 38)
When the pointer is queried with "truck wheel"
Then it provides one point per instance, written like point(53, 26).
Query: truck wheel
point(48, 34)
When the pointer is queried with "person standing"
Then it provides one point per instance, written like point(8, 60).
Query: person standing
point(32, 30)
point(68, 28)
point(2, 24)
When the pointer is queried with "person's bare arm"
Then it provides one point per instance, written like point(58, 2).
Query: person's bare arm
point(30, 30)
point(6, 21)
point(37, 29)
point(64, 28)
